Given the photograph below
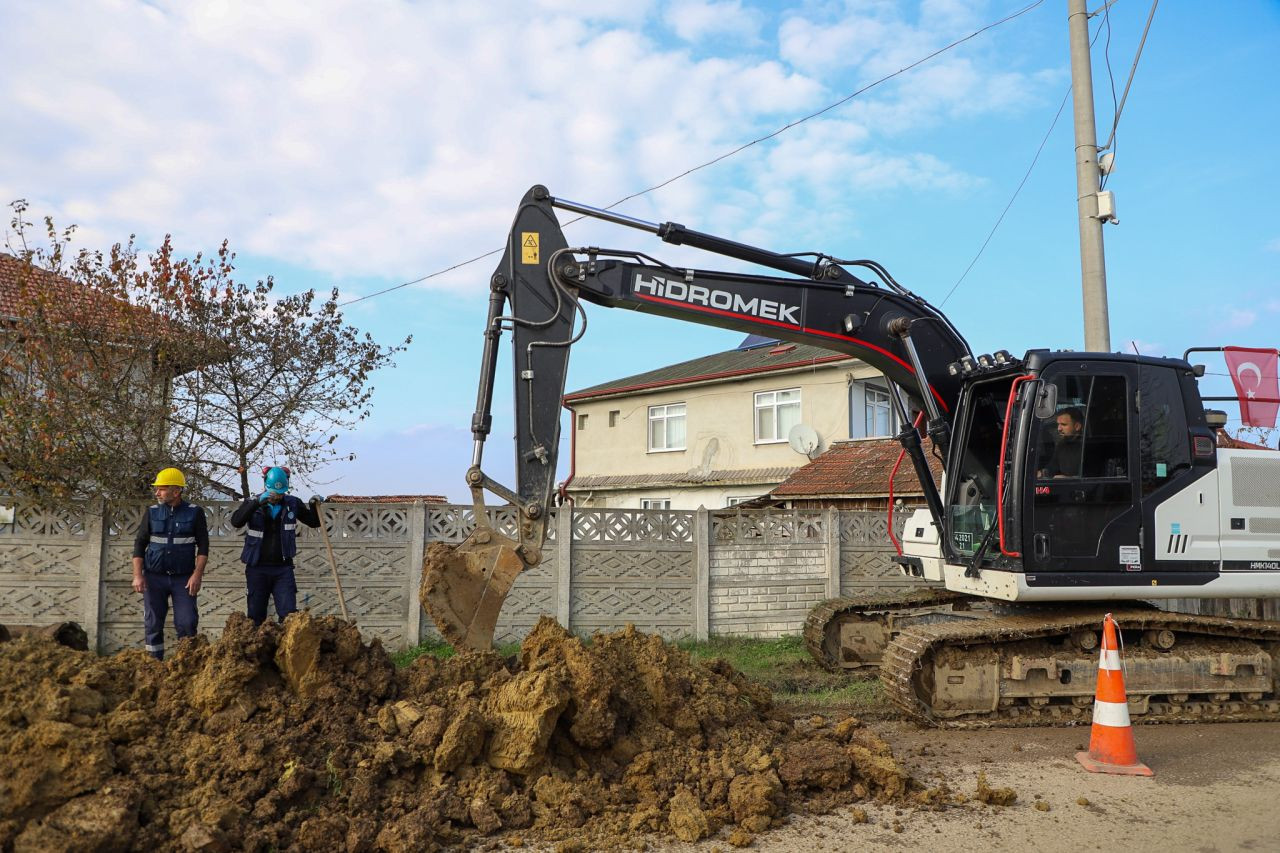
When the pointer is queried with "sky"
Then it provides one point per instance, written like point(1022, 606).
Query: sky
point(362, 145)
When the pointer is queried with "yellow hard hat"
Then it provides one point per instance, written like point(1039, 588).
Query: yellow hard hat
point(170, 477)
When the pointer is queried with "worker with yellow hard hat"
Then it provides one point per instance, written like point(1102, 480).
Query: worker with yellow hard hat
point(169, 556)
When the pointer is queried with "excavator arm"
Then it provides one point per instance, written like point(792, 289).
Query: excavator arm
point(536, 294)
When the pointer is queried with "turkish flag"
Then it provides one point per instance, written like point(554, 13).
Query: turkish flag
point(1254, 373)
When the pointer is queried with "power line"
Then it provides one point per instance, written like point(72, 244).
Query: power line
point(1012, 198)
point(735, 151)
point(1023, 182)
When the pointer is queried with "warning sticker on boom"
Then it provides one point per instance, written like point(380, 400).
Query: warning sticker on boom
point(528, 247)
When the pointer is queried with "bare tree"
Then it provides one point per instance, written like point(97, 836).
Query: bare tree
point(116, 365)
point(291, 376)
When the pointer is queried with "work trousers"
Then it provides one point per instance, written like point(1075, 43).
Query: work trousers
point(155, 609)
point(264, 582)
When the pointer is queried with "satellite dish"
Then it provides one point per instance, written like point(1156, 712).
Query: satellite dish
point(803, 439)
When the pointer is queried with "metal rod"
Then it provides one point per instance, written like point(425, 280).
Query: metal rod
point(606, 215)
point(333, 564)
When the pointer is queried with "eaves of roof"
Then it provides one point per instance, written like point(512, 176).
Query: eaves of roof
point(764, 476)
point(719, 367)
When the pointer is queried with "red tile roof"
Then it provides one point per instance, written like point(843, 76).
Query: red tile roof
point(72, 297)
point(385, 499)
point(856, 468)
point(1225, 440)
point(14, 273)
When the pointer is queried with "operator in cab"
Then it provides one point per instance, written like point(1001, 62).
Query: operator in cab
point(1068, 447)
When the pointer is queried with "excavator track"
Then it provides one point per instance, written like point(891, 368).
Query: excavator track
point(1040, 669)
point(852, 632)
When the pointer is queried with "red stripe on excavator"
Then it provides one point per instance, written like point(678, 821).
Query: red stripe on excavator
point(1004, 453)
point(722, 313)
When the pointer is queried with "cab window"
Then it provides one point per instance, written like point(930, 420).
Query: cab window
point(1087, 437)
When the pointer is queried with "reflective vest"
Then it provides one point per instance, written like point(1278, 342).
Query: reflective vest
point(172, 549)
point(252, 554)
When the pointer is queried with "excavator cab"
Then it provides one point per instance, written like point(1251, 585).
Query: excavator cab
point(1061, 465)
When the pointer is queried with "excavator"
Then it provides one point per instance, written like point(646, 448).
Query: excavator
point(1074, 484)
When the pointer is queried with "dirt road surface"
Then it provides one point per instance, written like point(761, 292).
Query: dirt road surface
point(1216, 788)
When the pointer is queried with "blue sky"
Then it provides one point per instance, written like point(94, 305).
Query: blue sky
point(363, 145)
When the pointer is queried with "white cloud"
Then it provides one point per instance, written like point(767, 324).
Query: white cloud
point(700, 21)
point(391, 140)
point(1144, 347)
point(1273, 245)
point(1237, 318)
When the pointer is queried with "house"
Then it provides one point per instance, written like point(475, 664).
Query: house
point(86, 378)
point(714, 431)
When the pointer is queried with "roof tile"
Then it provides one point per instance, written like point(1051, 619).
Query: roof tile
point(856, 468)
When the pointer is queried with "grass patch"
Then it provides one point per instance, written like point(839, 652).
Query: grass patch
point(441, 649)
point(791, 674)
point(756, 659)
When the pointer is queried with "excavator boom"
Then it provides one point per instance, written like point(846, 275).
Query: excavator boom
point(536, 294)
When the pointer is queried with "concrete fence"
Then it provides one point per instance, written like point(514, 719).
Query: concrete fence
point(676, 573)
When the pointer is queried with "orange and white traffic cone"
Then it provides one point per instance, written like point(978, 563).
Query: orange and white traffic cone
point(1111, 747)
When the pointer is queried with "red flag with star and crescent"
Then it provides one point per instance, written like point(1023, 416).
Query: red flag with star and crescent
point(1254, 373)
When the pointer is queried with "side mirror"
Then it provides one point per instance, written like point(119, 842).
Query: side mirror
point(1047, 401)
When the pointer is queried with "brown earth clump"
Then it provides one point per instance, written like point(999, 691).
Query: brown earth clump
point(305, 737)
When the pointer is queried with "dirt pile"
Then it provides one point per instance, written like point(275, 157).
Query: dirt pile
point(304, 737)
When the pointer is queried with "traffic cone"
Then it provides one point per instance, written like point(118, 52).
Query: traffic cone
point(1111, 747)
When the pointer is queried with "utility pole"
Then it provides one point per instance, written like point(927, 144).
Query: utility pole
point(1093, 271)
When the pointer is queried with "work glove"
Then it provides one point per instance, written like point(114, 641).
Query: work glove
point(315, 499)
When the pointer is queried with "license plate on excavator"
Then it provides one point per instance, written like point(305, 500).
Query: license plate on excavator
point(464, 586)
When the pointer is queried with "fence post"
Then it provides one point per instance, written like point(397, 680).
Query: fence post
point(91, 569)
point(417, 551)
point(702, 574)
point(564, 565)
point(831, 521)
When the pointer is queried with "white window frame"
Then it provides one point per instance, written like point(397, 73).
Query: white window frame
point(868, 410)
point(661, 503)
point(772, 403)
point(732, 501)
point(663, 413)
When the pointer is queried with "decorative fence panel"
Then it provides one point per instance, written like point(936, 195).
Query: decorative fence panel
point(728, 572)
point(633, 566)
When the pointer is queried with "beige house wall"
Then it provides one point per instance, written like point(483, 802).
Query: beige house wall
point(611, 436)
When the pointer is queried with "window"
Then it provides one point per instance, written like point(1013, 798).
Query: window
point(666, 427)
point(582, 421)
point(613, 417)
point(776, 413)
point(741, 500)
point(877, 411)
point(1088, 436)
point(655, 503)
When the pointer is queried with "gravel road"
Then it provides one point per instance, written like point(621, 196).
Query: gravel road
point(1216, 788)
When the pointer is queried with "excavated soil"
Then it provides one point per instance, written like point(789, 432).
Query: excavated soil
point(305, 737)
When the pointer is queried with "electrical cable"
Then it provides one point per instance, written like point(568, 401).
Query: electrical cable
point(1012, 199)
point(1106, 58)
point(1021, 184)
point(733, 152)
point(1132, 70)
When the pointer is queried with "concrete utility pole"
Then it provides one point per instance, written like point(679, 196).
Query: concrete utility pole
point(1093, 271)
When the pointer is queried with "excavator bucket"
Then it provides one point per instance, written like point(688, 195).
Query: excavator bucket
point(463, 587)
